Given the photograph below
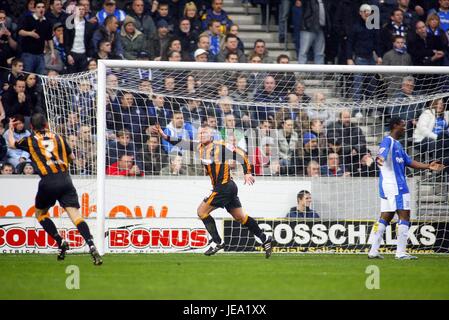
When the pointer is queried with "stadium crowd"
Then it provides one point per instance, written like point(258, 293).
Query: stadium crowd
point(302, 137)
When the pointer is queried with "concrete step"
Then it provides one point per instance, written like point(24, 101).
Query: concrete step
point(267, 37)
point(257, 28)
point(270, 45)
point(240, 10)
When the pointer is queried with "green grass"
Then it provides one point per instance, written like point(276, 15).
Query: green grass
point(224, 276)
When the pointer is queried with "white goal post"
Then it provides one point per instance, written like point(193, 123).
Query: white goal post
point(123, 65)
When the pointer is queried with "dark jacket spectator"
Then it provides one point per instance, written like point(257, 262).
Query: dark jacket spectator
point(109, 32)
point(143, 22)
point(362, 42)
point(425, 50)
point(133, 41)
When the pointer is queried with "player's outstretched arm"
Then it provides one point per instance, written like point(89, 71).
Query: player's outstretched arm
point(434, 165)
point(11, 140)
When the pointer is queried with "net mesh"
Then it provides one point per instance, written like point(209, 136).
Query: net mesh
point(301, 130)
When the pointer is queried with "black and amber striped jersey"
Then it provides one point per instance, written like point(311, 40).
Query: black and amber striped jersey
point(216, 156)
point(50, 152)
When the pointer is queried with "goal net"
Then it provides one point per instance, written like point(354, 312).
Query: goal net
point(311, 134)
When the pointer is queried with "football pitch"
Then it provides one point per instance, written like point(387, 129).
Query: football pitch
point(223, 276)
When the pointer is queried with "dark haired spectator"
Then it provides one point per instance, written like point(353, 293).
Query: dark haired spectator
point(152, 156)
point(56, 13)
point(302, 208)
point(110, 9)
point(16, 156)
point(78, 41)
point(160, 43)
point(260, 49)
point(104, 50)
point(8, 43)
point(188, 38)
point(193, 112)
point(231, 46)
point(234, 29)
point(308, 151)
point(7, 169)
point(15, 73)
point(285, 81)
point(366, 167)
point(122, 145)
point(180, 129)
point(410, 17)
point(59, 64)
point(109, 32)
point(217, 13)
point(26, 168)
point(398, 56)
point(395, 27)
point(163, 13)
point(241, 92)
point(159, 110)
point(36, 31)
point(16, 101)
point(133, 41)
point(125, 166)
point(143, 21)
point(34, 91)
point(215, 37)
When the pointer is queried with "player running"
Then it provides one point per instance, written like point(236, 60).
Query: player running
point(51, 154)
point(394, 193)
point(214, 156)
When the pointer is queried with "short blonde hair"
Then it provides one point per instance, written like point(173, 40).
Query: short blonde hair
point(189, 6)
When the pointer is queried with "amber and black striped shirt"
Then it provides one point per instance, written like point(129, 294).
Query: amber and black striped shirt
point(50, 152)
point(215, 157)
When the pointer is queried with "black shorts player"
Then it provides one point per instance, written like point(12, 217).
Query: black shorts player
point(51, 154)
point(217, 156)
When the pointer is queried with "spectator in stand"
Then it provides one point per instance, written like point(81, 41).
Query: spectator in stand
point(16, 101)
point(395, 27)
point(110, 9)
point(8, 44)
point(133, 40)
point(152, 156)
point(302, 209)
point(308, 152)
point(26, 168)
point(188, 39)
point(215, 37)
point(212, 123)
point(193, 113)
point(241, 92)
point(90, 16)
point(176, 166)
point(56, 13)
point(332, 168)
point(398, 56)
point(288, 141)
point(15, 73)
point(104, 51)
point(34, 91)
point(299, 91)
point(316, 127)
point(313, 169)
point(58, 43)
point(87, 148)
point(410, 17)
point(125, 166)
point(319, 110)
point(3, 144)
point(143, 21)
point(443, 13)
point(267, 95)
point(201, 55)
point(161, 42)
point(229, 128)
point(431, 134)
point(127, 115)
point(16, 156)
point(174, 44)
point(180, 129)
point(159, 111)
point(266, 158)
point(285, 80)
point(260, 49)
point(314, 25)
point(437, 34)
point(217, 13)
point(109, 32)
point(362, 43)
point(234, 29)
point(352, 138)
point(231, 46)
point(191, 13)
point(7, 169)
point(163, 13)
point(36, 31)
point(78, 41)
point(117, 148)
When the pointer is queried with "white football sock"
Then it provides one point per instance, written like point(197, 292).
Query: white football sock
point(403, 227)
point(380, 225)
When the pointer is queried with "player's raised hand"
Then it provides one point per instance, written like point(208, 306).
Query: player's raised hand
point(380, 161)
point(12, 124)
point(249, 179)
point(436, 166)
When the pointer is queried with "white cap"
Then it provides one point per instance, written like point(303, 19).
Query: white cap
point(199, 52)
point(365, 7)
